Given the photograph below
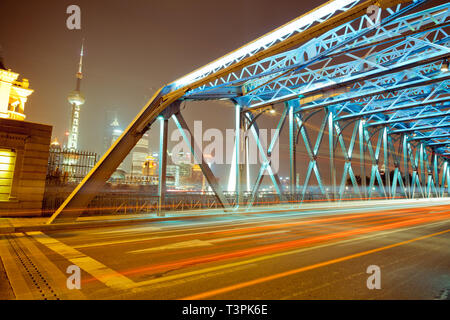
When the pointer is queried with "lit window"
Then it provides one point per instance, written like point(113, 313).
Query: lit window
point(7, 163)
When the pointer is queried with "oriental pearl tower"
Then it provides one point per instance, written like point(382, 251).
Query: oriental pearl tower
point(76, 100)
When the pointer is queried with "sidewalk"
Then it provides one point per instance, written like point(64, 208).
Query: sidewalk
point(11, 225)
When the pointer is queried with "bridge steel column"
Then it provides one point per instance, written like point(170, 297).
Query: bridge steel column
point(406, 165)
point(387, 171)
point(162, 170)
point(431, 185)
point(292, 151)
point(362, 158)
point(422, 166)
point(436, 172)
point(414, 170)
point(444, 177)
point(246, 125)
point(238, 153)
point(331, 150)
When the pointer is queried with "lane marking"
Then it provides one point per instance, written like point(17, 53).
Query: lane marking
point(107, 276)
point(260, 280)
point(203, 243)
point(275, 255)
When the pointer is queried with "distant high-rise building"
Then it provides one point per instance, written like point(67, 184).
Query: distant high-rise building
point(112, 130)
point(76, 100)
point(138, 156)
point(111, 134)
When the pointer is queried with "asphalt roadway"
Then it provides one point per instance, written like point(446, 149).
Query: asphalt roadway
point(402, 249)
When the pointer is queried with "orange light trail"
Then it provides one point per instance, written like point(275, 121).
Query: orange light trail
point(265, 249)
point(279, 246)
point(241, 285)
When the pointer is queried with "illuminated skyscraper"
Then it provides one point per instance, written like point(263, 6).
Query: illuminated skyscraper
point(76, 99)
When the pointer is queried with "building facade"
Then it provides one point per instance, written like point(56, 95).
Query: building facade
point(24, 150)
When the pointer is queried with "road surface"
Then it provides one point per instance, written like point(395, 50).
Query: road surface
point(276, 254)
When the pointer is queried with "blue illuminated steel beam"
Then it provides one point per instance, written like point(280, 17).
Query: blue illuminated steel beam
point(339, 75)
point(268, 69)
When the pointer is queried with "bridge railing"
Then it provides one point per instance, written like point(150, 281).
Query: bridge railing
point(110, 202)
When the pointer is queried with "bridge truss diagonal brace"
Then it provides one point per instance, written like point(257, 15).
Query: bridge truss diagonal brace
point(266, 160)
point(415, 163)
point(206, 170)
point(431, 185)
point(374, 156)
point(348, 154)
point(312, 153)
point(397, 176)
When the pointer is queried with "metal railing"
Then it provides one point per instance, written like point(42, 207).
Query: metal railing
point(68, 166)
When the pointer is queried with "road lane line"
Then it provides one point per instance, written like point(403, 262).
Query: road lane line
point(107, 276)
point(307, 268)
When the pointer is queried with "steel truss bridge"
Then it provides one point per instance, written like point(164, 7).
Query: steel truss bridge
point(378, 77)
